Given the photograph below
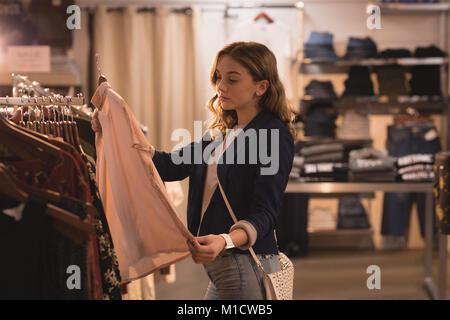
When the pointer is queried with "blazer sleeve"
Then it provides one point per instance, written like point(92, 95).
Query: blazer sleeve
point(179, 164)
point(268, 192)
point(169, 170)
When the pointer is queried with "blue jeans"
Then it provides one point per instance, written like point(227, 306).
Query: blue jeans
point(404, 140)
point(235, 276)
point(320, 46)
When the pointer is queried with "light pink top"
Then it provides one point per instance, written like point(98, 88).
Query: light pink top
point(145, 229)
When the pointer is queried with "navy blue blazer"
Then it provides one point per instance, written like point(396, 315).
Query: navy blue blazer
point(254, 197)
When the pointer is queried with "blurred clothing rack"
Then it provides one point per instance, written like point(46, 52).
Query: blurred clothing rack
point(41, 101)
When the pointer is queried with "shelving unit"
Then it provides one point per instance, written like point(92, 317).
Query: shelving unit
point(378, 62)
point(64, 73)
point(405, 8)
point(383, 105)
point(364, 187)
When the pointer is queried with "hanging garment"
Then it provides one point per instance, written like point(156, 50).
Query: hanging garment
point(278, 38)
point(36, 257)
point(146, 231)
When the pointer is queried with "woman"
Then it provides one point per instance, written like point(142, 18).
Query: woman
point(249, 99)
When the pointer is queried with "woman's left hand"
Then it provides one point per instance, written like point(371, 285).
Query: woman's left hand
point(205, 249)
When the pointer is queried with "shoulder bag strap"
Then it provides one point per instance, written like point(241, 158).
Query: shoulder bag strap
point(230, 210)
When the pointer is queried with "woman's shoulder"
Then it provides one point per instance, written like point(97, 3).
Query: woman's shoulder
point(274, 122)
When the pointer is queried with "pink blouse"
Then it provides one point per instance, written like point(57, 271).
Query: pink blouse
point(145, 229)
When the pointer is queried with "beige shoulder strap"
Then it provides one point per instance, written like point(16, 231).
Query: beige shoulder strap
point(233, 216)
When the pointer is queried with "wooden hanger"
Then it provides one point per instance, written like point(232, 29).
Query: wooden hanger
point(11, 190)
point(76, 137)
point(26, 145)
point(49, 195)
point(264, 16)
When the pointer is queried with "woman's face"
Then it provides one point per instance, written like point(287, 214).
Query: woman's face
point(235, 86)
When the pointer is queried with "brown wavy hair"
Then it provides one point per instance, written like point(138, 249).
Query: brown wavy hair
point(261, 64)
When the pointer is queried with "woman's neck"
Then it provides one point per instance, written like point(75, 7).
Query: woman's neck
point(246, 115)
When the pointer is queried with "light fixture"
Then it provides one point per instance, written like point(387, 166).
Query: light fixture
point(300, 4)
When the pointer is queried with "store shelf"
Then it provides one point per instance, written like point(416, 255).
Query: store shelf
point(384, 105)
point(312, 66)
point(380, 62)
point(357, 187)
point(398, 8)
point(64, 73)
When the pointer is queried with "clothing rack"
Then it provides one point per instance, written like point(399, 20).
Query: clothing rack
point(23, 82)
point(42, 101)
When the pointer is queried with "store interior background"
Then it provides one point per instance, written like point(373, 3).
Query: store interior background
point(184, 98)
point(159, 63)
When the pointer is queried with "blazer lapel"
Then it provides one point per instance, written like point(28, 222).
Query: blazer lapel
point(222, 167)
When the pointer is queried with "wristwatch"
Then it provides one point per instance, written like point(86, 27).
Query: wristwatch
point(229, 242)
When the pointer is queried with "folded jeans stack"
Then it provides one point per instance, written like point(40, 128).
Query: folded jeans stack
point(391, 81)
point(320, 120)
point(324, 162)
point(355, 125)
point(395, 53)
point(361, 48)
point(416, 167)
point(322, 90)
point(319, 46)
point(358, 82)
point(351, 214)
point(426, 80)
point(368, 164)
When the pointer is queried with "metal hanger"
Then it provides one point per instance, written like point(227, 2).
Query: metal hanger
point(101, 78)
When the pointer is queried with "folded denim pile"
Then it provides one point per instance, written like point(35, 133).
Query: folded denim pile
point(351, 214)
point(321, 90)
point(361, 48)
point(391, 81)
point(358, 82)
point(321, 218)
point(297, 164)
point(368, 164)
point(320, 120)
point(426, 80)
point(395, 53)
point(324, 162)
point(416, 167)
point(319, 46)
point(354, 125)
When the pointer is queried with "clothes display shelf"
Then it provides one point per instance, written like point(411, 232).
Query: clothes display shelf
point(366, 187)
point(398, 105)
point(384, 105)
point(64, 72)
point(402, 8)
point(377, 62)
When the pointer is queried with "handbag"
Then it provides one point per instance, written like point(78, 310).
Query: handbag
point(278, 285)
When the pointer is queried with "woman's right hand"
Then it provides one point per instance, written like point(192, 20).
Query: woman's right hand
point(95, 123)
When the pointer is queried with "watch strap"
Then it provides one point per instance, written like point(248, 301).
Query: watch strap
point(229, 243)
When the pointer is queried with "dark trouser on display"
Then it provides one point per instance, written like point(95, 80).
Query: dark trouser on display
point(292, 226)
point(405, 139)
